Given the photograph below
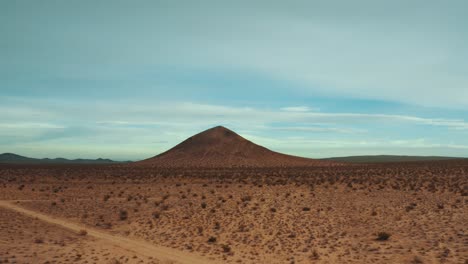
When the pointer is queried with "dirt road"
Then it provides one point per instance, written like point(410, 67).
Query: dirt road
point(137, 246)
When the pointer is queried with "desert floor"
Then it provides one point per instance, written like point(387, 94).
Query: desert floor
point(381, 213)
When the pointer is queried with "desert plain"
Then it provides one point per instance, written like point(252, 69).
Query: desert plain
point(236, 215)
point(297, 212)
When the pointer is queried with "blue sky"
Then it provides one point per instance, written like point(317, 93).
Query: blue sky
point(130, 79)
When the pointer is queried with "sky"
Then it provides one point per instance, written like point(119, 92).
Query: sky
point(129, 79)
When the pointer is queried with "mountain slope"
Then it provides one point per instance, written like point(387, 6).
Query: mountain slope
point(221, 147)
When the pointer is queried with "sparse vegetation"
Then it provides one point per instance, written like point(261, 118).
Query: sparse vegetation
point(383, 236)
point(226, 248)
point(288, 211)
point(156, 215)
point(123, 215)
point(212, 239)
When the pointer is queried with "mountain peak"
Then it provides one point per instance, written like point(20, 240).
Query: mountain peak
point(218, 131)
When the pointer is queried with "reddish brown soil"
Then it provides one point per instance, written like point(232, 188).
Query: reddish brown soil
point(221, 147)
point(242, 215)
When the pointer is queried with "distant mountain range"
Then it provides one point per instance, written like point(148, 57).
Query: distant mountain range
point(388, 158)
point(17, 159)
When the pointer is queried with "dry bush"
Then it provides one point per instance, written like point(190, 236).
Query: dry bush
point(383, 236)
point(82, 232)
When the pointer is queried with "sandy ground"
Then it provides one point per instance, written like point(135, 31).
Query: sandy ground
point(277, 215)
point(137, 247)
point(26, 239)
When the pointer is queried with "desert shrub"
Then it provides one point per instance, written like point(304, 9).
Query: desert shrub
point(410, 207)
point(306, 209)
point(203, 205)
point(115, 261)
point(106, 197)
point(273, 210)
point(38, 240)
point(212, 239)
point(445, 253)
point(200, 230)
point(226, 248)
point(123, 215)
point(246, 198)
point(156, 215)
point(315, 254)
point(417, 260)
point(383, 236)
point(82, 232)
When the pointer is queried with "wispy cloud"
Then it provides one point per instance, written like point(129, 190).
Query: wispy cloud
point(189, 113)
point(298, 109)
point(30, 125)
point(317, 129)
point(208, 113)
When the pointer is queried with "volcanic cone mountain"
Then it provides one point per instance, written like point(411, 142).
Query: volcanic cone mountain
point(221, 147)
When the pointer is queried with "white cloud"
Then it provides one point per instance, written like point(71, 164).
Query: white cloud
point(30, 125)
point(317, 129)
point(298, 109)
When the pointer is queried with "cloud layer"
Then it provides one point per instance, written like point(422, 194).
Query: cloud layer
point(128, 131)
point(414, 53)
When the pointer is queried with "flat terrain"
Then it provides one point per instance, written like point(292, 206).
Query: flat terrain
point(380, 213)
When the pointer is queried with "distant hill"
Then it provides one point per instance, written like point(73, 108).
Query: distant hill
point(221, 147)
point(17, 159)
point(388, 158)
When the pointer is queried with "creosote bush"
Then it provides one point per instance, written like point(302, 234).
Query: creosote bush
point(123, 215)
point(226, 248)
point(383, 236)
point(156, 215)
